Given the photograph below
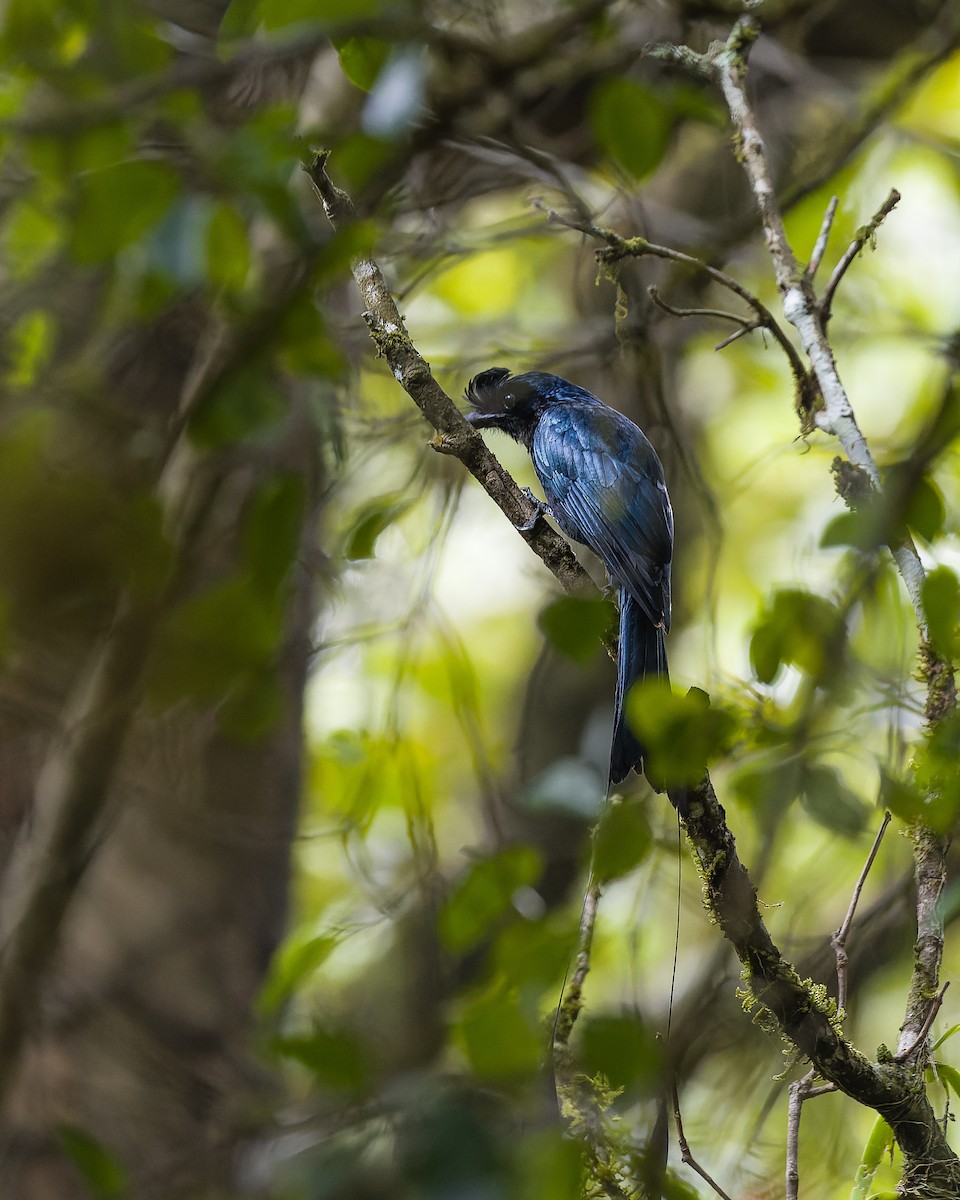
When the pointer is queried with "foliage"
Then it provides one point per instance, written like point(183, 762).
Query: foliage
point(457, 707)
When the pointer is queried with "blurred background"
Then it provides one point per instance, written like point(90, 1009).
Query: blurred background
point(300, 746)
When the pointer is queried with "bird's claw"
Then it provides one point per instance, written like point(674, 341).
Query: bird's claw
point(540, 507)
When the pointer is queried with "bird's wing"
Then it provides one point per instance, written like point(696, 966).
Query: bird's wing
point(605, 486)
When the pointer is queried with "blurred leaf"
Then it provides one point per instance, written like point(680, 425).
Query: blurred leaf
point(214, 641)
point(548, 1163)
point(878, 1145)
point(830, 802)
point(949, 1077)
point(276, 14)
point(28, 346)
point(925, 509)
point(376, 516)
point(631, 124)
point(857, 529)
point(498, 1037)
point(254, 707)
point(271, 532)
point(534, 953)
point(680, 733)
point(103, 1174)
point(361, 58)
point(945, 1037)
point(31, 234)
point(622, 1050)
point(941, 602)
point(244, 403)
point(799, 628)
point(768, 785)
point(935, 776)
point(228, 249)
point(484, 896)
point(335, 1056)
point(292, 965)
point(118, 204)
point(575, 625)
point(622, 840)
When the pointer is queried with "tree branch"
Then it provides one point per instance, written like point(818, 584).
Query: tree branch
point(454, 434)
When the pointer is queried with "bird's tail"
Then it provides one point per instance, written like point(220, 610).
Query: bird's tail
point(642, 654)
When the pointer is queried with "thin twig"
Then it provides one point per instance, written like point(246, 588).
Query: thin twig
point(839, 939)
point(820, 245)
point(721, 314)
point(921, 1037)
point(799, 1091)
point(866, 233)
point(685, 1153)
point(619, 247)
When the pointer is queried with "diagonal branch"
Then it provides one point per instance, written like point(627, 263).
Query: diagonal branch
point(802, 1011)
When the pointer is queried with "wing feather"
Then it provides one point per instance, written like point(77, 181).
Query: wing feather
point(604, 484)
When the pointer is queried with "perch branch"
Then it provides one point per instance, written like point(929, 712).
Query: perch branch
point(805, 1016)
point(820, 246)
point(454, 434)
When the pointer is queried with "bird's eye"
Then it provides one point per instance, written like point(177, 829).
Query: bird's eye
point(509, 398)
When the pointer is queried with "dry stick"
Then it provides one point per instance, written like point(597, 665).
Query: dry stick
point(799, 1091)
point(619, 247)
point(685, 1154)
point(820, 245)
point(867, 233)
point(802, 1089)
point(921, 1037)
point(839, 939)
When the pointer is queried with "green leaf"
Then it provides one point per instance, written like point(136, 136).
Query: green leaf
point(926, 510)
point(28, 346)
point(336, 1057)
point(228, 249)
point(941, 603)
point(31, 234)
point(293, 964)
point(119, 204)
point(623, 1051)
point(246, 402)
point(271, 532)
point(500, 1039)
point(103, 1174)
point(575, 625)
point(949, 1076)
point(484, 896)
point(830, 802)
point(797, 628)
point(857, 529)
point(622, 840)
point(768, 785)
point(213, 642)
point(878, 1144)
point(371, 522)
point(276, 14)
point(945, 1037)
point(631, 124)
point(680, 733)
point(548, 1163)
point(361, 59)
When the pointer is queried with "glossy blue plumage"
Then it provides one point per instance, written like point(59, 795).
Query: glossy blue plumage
point(604, 486)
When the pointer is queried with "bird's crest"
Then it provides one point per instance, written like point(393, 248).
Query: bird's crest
point(484, 391)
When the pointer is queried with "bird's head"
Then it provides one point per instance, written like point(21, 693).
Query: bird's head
point(501, 400)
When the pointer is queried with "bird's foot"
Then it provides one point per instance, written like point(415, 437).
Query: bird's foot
point(540, 507)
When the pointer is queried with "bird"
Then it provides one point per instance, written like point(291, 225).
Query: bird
point(605, 488)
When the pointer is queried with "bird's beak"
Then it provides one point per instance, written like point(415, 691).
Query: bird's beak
point(478, 419)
